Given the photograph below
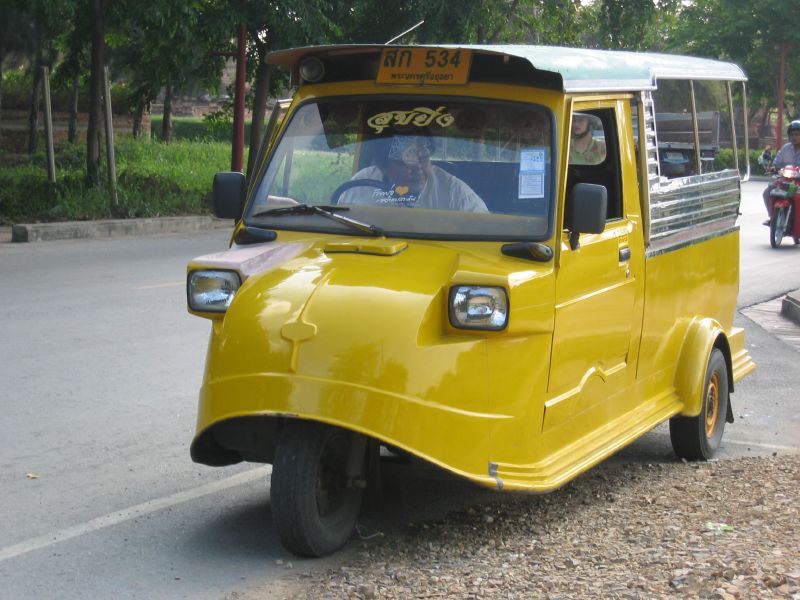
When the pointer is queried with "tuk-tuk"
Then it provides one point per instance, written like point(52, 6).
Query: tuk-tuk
point(475, 257)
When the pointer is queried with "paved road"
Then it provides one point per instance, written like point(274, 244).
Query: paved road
point(100, 366)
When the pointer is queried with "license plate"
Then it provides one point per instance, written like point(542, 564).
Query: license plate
point(424, 66)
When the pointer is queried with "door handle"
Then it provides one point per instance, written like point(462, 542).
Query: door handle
point(624, 254)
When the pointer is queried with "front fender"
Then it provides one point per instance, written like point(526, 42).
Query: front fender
point(702, 336)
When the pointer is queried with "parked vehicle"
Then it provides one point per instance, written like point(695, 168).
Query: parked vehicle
point(785, 199)
point(431, 261)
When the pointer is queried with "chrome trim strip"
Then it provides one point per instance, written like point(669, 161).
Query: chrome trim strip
point(678, 245)
point(692, 209)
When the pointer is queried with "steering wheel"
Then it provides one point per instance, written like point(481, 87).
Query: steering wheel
point(376, 183)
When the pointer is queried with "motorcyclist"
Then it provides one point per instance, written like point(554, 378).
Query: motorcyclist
point(789, 154)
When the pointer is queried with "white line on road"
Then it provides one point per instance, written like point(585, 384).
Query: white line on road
point(759, 445)
point(117, 517)
point(726, 441)
point(157, 286)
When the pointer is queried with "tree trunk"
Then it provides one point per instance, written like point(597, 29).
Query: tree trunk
point(33, 119)
point(72, 134)
point(95, 94)
point(166, 123)
point(2, 57)
point(260, 95)
point(137, 122)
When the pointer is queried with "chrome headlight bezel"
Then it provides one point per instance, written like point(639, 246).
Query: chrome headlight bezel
point(478, 307)
point(219, 285)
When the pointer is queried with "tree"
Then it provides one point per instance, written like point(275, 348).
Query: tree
point(49, 20)
point(173, 45)
point(274, 24)
point(97, 35)
point(15, 26)
point(629, 24)
point(74, 46)
point(749, 34)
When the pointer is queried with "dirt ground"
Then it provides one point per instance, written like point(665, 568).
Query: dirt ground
point(722, 529)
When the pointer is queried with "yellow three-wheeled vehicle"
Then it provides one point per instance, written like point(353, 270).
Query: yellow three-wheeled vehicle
point(507, 261)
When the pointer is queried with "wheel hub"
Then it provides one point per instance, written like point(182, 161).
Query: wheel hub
point(712, 405)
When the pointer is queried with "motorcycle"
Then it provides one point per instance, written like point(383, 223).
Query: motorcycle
point(785, 200)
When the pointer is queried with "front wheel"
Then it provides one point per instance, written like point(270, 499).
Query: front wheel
point(315, 499)
point(777, 227)
point(696, 438)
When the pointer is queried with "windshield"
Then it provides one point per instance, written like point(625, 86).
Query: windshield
point(422, 167)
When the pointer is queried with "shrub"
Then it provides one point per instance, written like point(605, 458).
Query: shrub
point(16, 90)
point(724, 160)
point(153, 179)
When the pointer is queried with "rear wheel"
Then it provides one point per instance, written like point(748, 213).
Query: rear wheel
point(315, 500)
point(696, 438)
point(777, 227)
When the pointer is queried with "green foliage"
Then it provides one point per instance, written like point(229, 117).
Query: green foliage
point(214, 127)
point(724, 160)
point(748, 33)
point(154, 179)
point(17, 94)
point(16, 90)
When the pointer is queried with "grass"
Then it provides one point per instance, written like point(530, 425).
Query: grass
point(197, 128)
point(153, 179)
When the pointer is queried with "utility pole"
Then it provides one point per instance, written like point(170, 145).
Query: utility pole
point(781, 92)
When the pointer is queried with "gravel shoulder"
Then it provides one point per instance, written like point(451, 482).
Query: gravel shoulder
point(722, 529)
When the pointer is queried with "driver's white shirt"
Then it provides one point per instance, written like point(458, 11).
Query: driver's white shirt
point(442, 191)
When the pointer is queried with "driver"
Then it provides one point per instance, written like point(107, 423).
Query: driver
point(789, 154)
point(412, 181)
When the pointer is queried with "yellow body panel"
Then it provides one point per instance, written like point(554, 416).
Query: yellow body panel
point(354, 332)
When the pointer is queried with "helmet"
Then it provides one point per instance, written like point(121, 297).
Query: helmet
point(793, 126)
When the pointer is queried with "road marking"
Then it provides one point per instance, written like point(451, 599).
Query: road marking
point(126, 514)
point(759, 445)
point(157, 286)
point(726, 441)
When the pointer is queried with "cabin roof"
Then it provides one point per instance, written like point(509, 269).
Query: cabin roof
point(580, 69)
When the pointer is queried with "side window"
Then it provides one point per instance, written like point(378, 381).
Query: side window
point(713, 125)
point(594, 155)
point(740, 126)
point(675, 128)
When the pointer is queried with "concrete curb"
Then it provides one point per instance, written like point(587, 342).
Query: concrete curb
point(790, 306)
point(69, 230)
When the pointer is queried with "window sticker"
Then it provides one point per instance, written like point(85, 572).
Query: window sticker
point(418, 117)
point(532, 172)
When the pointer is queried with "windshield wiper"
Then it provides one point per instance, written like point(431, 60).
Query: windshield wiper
point(329, 212)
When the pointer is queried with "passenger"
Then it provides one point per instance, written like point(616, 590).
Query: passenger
point(584, 148)
point(412, 181)
point(789, 154)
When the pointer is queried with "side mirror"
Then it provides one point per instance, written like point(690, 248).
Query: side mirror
point(586, 211)
point(228, 190)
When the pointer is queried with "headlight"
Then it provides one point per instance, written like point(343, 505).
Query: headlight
point(478, 307)
point(312, 69)
point(211, 291)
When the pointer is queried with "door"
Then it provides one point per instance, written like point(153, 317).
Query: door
point(599, 284)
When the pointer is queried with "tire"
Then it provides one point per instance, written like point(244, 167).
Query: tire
point(777, 227)
point(314, 504)
point(697, 438)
